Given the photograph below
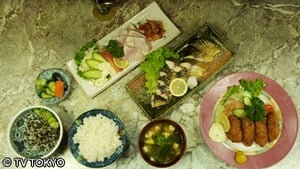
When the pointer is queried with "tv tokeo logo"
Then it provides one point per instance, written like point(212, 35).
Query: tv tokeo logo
point(37, 162)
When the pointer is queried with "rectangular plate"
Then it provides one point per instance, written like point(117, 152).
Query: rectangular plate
point(136, 87)
point(152, 12)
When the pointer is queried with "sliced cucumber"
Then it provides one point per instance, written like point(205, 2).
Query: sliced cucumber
point(241, 113)
point(247, 98)
point(44, 95)
point(98, 57)
point(37, 111)
point(54, 124)
point(92, 74)
point(48, 117)
point(49, 91)
point(51, 86)
point(51, 119)
point(40, 83)
point(92, 63)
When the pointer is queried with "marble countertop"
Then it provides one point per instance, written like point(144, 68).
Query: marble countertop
point(36, 35)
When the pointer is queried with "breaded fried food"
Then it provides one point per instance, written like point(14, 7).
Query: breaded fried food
point(261, 133)
point(235, 133)
point(272, 126)
point(248, 131)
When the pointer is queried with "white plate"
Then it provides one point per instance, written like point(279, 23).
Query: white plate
point(152, 12)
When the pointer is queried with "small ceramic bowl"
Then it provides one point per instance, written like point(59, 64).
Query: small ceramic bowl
point(35, 132)
point(45, 85)
point(81, 121)
point(162, 143)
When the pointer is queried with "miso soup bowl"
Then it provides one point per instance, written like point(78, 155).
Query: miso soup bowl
point(162, 143)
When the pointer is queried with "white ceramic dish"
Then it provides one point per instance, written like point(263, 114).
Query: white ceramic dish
point(152, 12)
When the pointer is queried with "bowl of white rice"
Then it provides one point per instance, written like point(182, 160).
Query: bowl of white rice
point(97, 138)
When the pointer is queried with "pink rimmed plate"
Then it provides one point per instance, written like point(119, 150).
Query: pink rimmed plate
point(289, 121)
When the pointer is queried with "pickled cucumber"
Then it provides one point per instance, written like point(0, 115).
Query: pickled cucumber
point(40, 83)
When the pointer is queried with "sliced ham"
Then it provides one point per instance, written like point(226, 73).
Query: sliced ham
point(131, 26)
point(133, 54)
point(135, 44)
point(138, 42)
point(134, 33)
point(121, 39)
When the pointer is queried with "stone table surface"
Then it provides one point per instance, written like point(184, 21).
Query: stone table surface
point(36, 35)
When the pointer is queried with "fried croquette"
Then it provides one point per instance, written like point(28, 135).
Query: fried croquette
point(248, 129)
point(261, 133)
point(272, 126)
point(235, 133)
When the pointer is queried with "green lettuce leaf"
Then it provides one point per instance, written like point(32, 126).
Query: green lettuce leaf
point(231, 90)
point(153, 64)
point(254, 87)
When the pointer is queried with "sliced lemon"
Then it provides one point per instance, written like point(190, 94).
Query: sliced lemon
point(178, 87)
point(223, 120)
point(216, 133)
point(240, 157)
point(120, 62)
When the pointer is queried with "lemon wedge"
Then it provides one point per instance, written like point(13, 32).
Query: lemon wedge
point(120, 62)
point(240, 157)
point(216, 133)
point(223, 120)
point(178, 87)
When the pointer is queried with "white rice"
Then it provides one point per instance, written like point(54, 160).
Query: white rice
point(98, 138)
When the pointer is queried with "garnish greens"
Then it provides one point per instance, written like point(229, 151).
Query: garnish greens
point(113, 48)
point(256, 110)
point(250, 90)
point(80, 55)
point(153, 64)
point(231, 90)
point(254, 87)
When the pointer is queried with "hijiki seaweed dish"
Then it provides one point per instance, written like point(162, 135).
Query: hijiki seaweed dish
point(35, 133)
